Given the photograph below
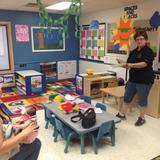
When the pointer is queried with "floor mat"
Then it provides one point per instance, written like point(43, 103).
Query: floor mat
point(10, 99)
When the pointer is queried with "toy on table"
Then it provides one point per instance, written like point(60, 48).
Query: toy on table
point(59, 99)
point(68, 107)
point(70, 97)
point(89, 71)
point(84, 106)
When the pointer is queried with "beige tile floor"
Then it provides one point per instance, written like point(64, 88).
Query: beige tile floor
point(132, 143)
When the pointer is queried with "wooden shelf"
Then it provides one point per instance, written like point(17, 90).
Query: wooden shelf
point(96, 83)
point(154, 100)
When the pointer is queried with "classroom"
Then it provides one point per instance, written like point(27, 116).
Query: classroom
point(79, 79)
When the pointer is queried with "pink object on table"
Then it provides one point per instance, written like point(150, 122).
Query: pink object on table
point(84, 105)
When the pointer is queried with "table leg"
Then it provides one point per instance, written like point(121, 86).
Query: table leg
point(82, 143)
point(103, 97)
point(120, 103)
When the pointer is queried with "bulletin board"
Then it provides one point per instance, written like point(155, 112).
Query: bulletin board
point(152, 38)
point(92, 43)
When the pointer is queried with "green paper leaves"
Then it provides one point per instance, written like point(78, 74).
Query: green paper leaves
point(48, 21)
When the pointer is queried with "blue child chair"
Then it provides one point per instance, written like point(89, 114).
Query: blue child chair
point(65, 132)
point(86, 98)
point(47, 113)
point(49, 118)
point(101, 106)
point(106, 129)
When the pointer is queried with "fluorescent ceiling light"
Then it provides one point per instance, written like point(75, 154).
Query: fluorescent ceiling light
point(59, 6)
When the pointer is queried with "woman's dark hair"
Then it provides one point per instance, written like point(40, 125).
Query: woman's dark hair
point(141, 32)
point(4, 113)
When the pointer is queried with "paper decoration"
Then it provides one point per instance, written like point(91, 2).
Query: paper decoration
point(94, 24)
point(152, 32)
point(22, 33)
point(155, 19)
point(123, 33)
point(92, 43)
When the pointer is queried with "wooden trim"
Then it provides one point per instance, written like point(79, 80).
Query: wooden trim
point(10, 47)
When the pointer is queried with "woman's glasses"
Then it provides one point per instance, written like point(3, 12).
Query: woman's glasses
point(140, 39)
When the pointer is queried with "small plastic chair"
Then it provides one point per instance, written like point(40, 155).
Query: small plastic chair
point(65, 132)
point(48, 113)
point(86, 98)
point(106, 129)
point(101, 106)
point(49, 118)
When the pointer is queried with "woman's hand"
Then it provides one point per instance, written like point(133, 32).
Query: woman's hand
point(32, 127)
point(129, 65)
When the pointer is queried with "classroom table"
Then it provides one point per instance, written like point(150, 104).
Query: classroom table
point(65, 118)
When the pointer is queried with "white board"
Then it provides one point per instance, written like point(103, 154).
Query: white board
point(4, 56)
point(67, 69)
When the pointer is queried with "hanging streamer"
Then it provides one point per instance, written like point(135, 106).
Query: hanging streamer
point(48, 21)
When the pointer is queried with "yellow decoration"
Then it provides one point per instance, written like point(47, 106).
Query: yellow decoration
point(89, 71)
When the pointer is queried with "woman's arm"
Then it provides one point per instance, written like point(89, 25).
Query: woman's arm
point(9, 144)
point(137, 65)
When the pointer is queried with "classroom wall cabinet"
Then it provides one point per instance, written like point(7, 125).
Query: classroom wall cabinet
point(29, 82)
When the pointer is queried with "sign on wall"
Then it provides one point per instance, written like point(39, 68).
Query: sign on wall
point(131, 11)
point(22, 33)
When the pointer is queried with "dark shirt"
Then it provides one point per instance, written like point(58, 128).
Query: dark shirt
point(141, 75)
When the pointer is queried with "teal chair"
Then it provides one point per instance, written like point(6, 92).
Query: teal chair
point(65, 132)
point(48, 114)
point(101, 106)
point(86, 98)
point(107, 129)
point(50, 119)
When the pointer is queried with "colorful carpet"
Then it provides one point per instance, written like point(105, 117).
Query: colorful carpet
point(10, 99)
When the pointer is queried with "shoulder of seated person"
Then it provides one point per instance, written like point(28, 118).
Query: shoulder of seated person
point(1, 121)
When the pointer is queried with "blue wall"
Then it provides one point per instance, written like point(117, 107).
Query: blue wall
point(23, 50)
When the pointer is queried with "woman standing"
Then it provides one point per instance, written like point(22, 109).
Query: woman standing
point(141, 76)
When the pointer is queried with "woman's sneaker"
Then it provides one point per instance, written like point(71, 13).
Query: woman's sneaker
point(140, 121)
point(122, 117)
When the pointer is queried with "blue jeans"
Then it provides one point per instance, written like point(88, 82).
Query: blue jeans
point(141, 89)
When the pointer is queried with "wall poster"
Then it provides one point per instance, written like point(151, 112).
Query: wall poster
point(92, 42)
point(42, 41)
point(116, 49)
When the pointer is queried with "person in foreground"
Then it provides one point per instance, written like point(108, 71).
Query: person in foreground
point(141, 76)
point(11, 144)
